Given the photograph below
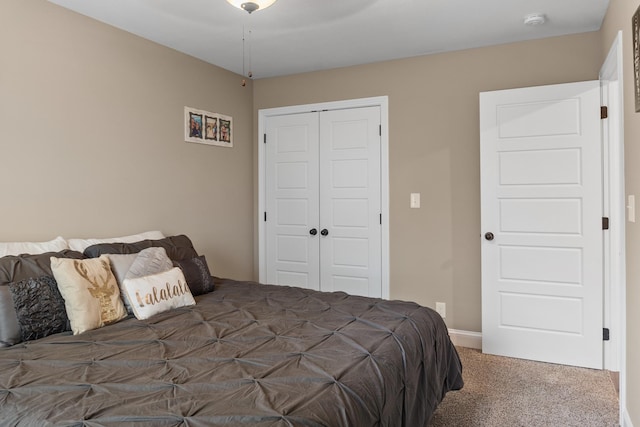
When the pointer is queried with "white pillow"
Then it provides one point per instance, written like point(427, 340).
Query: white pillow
point(18, 248)
point(81, 244)
point(156, 293)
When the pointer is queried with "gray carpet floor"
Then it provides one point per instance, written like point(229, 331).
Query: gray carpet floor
point(501, 391)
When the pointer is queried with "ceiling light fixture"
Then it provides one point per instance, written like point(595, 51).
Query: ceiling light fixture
point(251, 6)
point(535, 19)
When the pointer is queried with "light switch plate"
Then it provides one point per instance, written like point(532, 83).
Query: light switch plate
point(441, 308)
point(415, 200)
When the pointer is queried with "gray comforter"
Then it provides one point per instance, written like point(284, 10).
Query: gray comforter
point(246, 354)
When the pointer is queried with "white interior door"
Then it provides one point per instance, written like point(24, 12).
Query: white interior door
point(323, 200)
point(541, 184)
point(292, 188)
point(350, 252)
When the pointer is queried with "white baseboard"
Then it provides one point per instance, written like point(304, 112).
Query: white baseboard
point(626, 419)
point(466, 338)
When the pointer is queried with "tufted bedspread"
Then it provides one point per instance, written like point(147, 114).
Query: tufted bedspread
point(246, 354)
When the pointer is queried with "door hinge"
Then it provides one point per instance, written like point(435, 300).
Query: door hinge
point(605, 334)
point(380, 130)
point(605, 223)
point(604, 112)
point(264, 139)
point(380, 219)
point(265, 217)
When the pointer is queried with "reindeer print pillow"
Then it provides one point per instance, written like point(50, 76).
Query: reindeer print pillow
point(90, 292)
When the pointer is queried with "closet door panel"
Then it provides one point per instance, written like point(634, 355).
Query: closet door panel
point(292, 205)
point(350, 201)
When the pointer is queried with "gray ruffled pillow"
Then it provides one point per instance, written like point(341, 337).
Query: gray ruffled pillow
point(197, 274)
point(39, 307)
point(149, 261)
point(14, 268)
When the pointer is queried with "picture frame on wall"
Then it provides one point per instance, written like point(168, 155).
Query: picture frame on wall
point(226, 130)
point(210, 128)
point(635, 27)
point(204, 127)
point(193, 126)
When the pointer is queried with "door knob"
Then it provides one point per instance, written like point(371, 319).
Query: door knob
point(489, 236)
point(313, 231)
point(324, 232)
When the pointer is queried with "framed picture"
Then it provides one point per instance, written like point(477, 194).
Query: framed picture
point(210, 128)
point(193, 128)
point(226, 130)
point(635, 26)
point(204, 127)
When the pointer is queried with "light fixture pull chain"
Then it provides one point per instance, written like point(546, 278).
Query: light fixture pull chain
point(244, 81)
point(250, 66)
point(244, 56)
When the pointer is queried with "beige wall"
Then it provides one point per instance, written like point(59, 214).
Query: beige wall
point(434, 150)
point(91, 145)
point(91, 138)
point(619, 19)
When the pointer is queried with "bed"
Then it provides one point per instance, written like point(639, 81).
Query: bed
point(244, 354)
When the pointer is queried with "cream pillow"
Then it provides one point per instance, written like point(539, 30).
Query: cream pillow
point(149, 295)
point(34, 248)
point(81, 244)
point(90, 292)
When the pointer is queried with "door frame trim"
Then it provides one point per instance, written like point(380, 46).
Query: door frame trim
point(614, 205)
point(263, 116)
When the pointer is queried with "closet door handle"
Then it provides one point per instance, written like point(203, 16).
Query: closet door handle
point(324, 232)
point(313, 231)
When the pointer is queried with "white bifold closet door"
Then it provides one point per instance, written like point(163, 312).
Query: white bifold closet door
point(323, 200)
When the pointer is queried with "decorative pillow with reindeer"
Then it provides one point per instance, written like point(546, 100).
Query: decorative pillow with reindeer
point(90, 292)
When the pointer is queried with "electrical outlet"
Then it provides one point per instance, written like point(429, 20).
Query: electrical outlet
point(441, 308)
